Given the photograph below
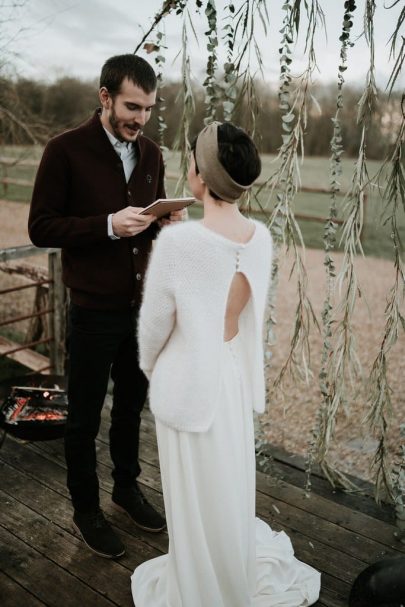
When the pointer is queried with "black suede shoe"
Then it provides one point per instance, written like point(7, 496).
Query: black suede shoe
point(131, 501)
point(98, 534)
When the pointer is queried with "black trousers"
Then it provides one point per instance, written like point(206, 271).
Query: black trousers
point(100, 343)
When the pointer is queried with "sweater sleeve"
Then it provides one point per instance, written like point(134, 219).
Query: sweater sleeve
point(49, 223)
point(158, 309)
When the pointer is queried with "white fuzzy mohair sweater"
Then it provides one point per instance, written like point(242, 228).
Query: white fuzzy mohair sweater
point(181, 321)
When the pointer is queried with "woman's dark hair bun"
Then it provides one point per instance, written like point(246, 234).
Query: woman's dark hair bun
point(238, 154)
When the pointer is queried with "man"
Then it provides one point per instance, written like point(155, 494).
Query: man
point(91, 184)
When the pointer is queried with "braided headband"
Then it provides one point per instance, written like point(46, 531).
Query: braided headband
point(211, 170)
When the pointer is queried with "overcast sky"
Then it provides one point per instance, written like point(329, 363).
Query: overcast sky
point(72, 37)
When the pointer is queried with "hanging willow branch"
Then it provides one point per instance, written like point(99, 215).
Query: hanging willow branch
point(167, 7)
point(186, 100)
point(159, 47)
point(398, 477)
point(285, 229)
point(246, 19)
point(343, 365)
point(326, 414)
point(401, 55)
point(380, 389)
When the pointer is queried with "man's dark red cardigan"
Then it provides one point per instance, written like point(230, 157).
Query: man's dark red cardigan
point(80, 181)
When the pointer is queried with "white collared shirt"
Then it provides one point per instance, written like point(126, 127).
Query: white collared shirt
point(126, 151)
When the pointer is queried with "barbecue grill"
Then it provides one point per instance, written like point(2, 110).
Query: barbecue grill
point(34, 407)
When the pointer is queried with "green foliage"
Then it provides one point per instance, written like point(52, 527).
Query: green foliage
point(380, 407)
point(331, 375)
point(212, 89)
point(186, 99)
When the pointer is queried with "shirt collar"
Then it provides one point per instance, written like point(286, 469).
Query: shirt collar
point(116, 143)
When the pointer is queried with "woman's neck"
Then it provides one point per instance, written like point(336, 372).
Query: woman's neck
point(226, 219)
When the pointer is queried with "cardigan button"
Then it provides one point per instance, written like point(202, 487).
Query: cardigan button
point(135, 251)
point(138, 276)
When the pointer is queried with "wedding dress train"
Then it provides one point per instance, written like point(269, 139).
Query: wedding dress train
point(220, 554)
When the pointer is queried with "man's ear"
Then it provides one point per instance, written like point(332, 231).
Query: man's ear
point(104, 97)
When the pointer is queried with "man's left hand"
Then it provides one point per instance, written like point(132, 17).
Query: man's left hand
point(174, 217)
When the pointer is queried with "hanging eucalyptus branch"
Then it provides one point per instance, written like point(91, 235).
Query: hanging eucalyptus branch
point(186, 100)
point(285, 229)
point(326, 414)
point(230, 76)
point(246, 18)
point(380, 390)
point(159, 47)
point(212, 89)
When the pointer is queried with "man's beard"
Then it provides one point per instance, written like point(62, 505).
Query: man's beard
point(114, 125)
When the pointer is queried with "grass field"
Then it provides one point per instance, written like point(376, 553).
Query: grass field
point(314, 174)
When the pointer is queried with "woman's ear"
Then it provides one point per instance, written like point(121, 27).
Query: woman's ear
point(201, 179)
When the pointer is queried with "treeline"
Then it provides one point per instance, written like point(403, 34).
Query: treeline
point(34, 111)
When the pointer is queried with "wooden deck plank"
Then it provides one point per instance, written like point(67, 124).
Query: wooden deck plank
point(329, 541)
point(13, 595)
point(292, 469)
point(308, 548)
point(48, 473)
point(58, 511)
point(65, 550)
point(335, 538)
point(359, 523)
point(151, 478)
point(42, 578)
point(29, 358)
point(49, 503)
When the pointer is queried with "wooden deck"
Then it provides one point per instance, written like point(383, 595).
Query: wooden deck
point(42, 562)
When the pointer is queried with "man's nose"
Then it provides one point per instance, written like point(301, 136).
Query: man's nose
point(141, 117)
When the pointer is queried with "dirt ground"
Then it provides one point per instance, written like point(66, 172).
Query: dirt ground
point(291, 419)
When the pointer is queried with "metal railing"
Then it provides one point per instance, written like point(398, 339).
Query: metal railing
point(54, 310)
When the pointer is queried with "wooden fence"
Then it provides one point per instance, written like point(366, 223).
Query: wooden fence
point(6, 163)
point(49, 303)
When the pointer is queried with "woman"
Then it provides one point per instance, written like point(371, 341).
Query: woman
point(200, 339)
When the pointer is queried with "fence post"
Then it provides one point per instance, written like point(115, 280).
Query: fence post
point(57, 318)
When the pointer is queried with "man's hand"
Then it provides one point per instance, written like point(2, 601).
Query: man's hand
point(128, 222)
point(174, 217)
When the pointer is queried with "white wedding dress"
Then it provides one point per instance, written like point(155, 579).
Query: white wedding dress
point(220, 555)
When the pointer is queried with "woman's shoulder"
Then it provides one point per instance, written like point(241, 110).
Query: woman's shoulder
point(181, 230)
point(178, 235)
point(262, 231)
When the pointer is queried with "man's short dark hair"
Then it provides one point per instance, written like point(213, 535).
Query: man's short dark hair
point(136, 69)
